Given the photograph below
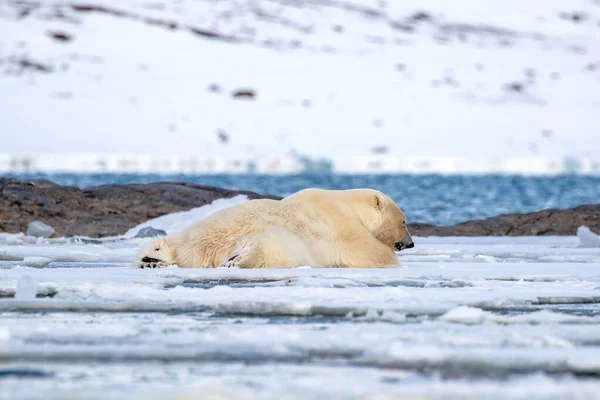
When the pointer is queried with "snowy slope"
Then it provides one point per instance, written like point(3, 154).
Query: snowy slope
point(330, 78)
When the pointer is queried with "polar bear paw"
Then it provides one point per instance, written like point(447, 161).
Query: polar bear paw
point(240, 256)
point(158, 253)
point(233, 262)
point(149, 262)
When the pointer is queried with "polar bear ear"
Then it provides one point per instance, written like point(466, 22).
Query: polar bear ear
point(378, 202)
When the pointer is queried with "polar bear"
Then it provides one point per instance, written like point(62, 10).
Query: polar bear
point(356, 228)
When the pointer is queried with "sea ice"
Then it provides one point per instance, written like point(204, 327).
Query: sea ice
point(530, 316)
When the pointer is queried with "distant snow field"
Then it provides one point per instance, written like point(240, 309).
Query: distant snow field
point(377, 86)
point(494, 318)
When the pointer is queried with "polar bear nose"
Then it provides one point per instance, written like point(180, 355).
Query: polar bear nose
point(401, 245)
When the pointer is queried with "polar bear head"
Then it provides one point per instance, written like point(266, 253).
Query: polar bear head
point(158, 253)
point(382, 217)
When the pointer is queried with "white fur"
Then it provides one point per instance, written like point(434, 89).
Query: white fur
point(320, 228)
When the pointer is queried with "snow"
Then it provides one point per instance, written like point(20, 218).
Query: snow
point(178, 222)
point(449, 324)
point(433, 92)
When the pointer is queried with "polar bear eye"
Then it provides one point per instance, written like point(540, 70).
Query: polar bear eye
point(157, 249)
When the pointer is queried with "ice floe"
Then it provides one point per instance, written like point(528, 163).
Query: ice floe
point(79, 319)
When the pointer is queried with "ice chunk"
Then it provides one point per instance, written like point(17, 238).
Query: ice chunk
point(4, 340)
point(485, 258)
point(392, 316)
point(26, 288)
point(371, 315)
point(37, 262)
point(587, 238)
point(465, 315)
point(150, 232)
point(9, 257)
point(39, 229)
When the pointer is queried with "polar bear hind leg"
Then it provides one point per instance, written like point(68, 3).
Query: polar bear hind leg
point(272, 249)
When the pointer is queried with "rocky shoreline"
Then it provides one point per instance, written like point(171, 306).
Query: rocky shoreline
point(110, 210)
point(554, 222)
point(99, 211)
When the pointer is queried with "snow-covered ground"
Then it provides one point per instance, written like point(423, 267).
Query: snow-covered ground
point(482, 317)
point(466, 84)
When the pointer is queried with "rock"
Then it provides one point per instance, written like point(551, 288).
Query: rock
point(26, 288)
point(541, 223)
point(60, 36)
point(244, 94)
point(100, 211)
point(149, 231)
point(39, 229)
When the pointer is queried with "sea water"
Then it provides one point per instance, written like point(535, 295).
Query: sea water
point(435, 199)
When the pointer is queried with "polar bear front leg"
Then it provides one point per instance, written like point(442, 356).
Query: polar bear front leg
point(241, 255)
point(369, 254)
point(272, 249)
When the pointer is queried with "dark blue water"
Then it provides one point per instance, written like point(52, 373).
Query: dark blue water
point(441, 200)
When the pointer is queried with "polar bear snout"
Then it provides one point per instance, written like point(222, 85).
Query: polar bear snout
point(408, 244)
